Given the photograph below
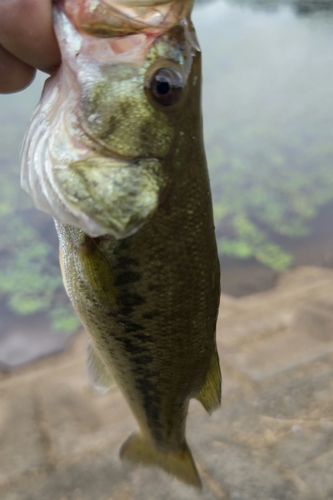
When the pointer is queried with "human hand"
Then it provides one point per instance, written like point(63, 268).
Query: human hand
point(27, 42)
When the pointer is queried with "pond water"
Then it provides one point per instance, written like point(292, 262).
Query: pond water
point(268, 103)
point(268, 107)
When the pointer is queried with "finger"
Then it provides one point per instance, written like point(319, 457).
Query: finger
point(15, 75)
point(26, 30)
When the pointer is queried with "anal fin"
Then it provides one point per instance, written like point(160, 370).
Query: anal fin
point(210, 393)
point(97, 374)
point(180, 464)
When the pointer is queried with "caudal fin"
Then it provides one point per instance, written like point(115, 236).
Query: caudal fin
point(180, 464)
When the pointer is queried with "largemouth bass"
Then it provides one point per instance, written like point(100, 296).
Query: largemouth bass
point(115, 154)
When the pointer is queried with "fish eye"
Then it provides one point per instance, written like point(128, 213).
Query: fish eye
point(166, 86)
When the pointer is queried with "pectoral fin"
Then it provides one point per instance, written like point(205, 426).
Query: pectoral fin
point(97, 374)
point(210, 393)
point(180, 464)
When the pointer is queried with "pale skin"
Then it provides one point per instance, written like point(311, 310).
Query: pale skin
point(27, 42)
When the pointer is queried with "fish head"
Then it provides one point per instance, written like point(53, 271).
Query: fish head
point(115, 114)
point(132, 108)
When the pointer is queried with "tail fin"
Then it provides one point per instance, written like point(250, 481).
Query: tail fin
point(180, 464)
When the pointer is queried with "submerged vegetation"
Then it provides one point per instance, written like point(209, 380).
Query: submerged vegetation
point(268, 128)
point(274, 189)
point(30, 280)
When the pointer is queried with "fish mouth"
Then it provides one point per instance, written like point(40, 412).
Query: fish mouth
point(114, 18)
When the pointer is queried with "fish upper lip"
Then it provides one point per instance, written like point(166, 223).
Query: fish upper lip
point(166, 14)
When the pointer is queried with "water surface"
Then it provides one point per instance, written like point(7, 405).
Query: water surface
point(268, 103)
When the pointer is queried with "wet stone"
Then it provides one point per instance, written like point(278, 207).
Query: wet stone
point(229, 383)
point(151, 483)
point(21, 451)
point(318, 474)
point(316, 321)
point(274, 354)
point(305, 441)
point(303, 277)
point(101, 476)
point(80, 420)
point(242, 327)
point(237, 450)
point(98, 477)
point(24, 346)
point(307, 395)
point(244, 475)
